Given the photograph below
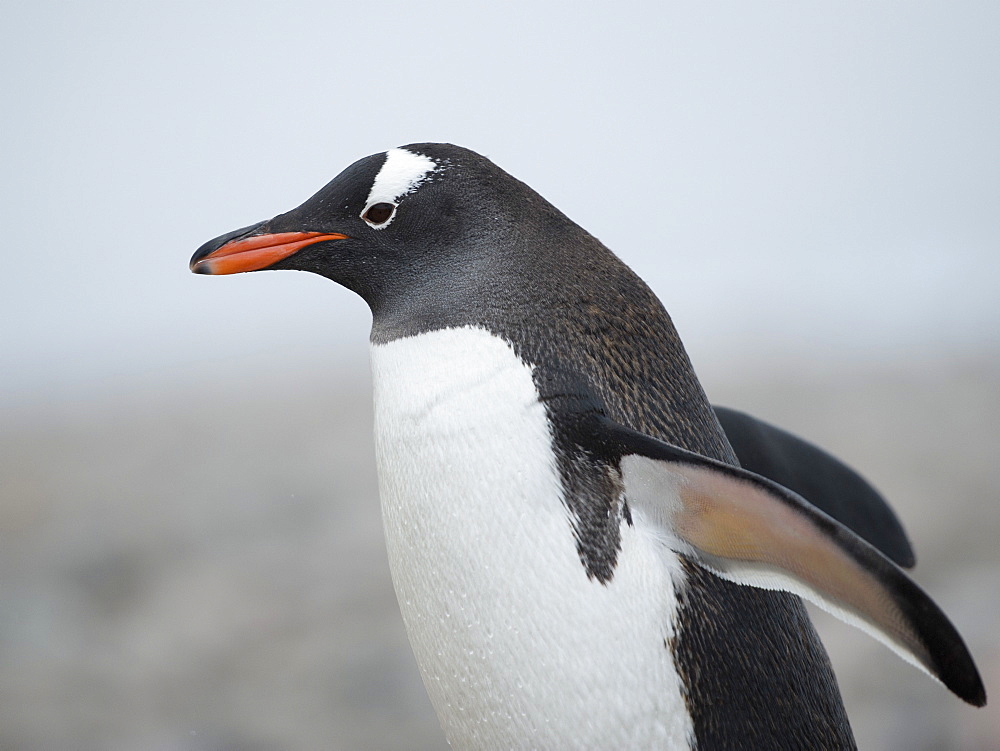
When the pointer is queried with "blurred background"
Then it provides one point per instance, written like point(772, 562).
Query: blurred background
point(190, 544)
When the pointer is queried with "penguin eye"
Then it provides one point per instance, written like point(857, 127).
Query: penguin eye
point(379, 213)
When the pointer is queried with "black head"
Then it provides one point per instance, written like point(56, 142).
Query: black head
point(411, 230)
point(435, 236)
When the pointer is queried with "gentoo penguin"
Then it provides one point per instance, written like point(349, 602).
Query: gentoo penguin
point(579, 558)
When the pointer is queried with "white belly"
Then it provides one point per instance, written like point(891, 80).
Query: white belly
point(516, 646)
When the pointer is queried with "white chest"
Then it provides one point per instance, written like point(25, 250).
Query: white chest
point(516, 646)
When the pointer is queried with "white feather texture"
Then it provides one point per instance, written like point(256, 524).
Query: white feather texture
point(402, 173)
point(517, 647)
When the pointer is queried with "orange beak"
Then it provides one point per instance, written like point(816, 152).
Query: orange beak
point(254, 253)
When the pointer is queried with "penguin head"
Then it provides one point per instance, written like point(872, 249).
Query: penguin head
point(411, 223)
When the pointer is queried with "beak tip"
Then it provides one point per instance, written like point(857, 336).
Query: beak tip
point(200, 262)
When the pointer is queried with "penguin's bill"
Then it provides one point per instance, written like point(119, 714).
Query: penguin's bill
point(257, 252)
point(751, 531)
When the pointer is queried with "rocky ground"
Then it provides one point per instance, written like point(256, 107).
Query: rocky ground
point(202, 568)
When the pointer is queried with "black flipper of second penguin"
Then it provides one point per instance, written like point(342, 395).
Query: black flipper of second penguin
point(820, 478)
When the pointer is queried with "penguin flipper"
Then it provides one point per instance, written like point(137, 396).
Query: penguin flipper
point(822, 479)
point(752, 531)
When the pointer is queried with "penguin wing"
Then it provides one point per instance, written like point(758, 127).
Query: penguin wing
point(752, 531)
point(822, 479)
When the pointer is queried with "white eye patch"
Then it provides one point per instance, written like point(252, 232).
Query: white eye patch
point(402, 173)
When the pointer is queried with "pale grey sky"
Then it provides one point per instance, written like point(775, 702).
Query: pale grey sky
point(813, 178)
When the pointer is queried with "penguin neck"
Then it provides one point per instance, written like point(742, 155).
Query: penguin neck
point(580, 310)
